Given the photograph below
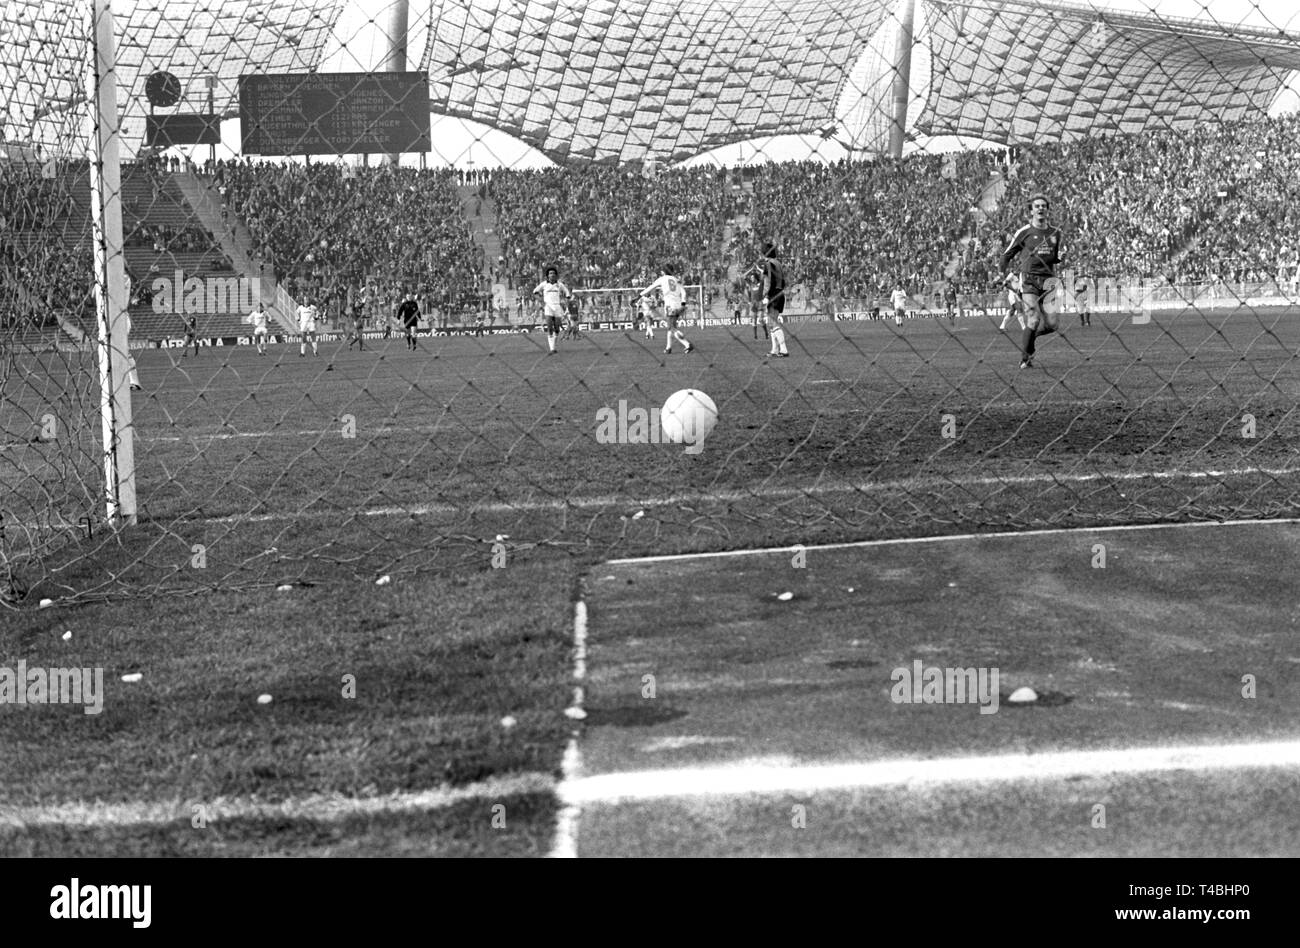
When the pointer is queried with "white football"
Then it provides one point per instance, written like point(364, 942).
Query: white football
point(688, 417)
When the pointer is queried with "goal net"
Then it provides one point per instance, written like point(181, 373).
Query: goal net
point(188, 190)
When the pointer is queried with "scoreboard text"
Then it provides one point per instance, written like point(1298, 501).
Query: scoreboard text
point(336, 113)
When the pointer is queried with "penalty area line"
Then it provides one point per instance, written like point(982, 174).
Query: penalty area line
point(319, 808)
point(768, 777)
point(948, 538)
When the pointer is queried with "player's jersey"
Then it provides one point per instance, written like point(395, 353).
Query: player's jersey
point(307, 318)
point(673, 292)
point(899, 299)
point(553, 295)
point(257, 318)
point(409, 312)
point(773, 279)
point(1039, 249)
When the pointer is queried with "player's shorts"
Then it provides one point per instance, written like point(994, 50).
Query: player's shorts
point(307, 327)
point(672, 314)
point(777, 304)
point(411, 326)
point(554, 324)
point(259, 330)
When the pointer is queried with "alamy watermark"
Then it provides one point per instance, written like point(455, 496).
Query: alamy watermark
point(933, 684)
point(206, 295)
point(635, 425)
point(37, 685)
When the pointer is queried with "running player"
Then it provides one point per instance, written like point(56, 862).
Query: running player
point(307, 326)
point(1014, 306)
point(1038, 245)
point(409, 314)
point(950, 302)
point(674, 295)
point(257, 319)
point(553, 294)
point(774, 299)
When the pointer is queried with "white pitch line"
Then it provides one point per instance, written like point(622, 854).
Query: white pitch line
point(749, 778)
point(726, 496)
point(326, 808)
point(565, 845)
point(948, 538)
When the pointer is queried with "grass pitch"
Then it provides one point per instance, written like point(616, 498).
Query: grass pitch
point(470, 473)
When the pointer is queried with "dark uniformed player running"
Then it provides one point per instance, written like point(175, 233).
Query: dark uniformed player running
point(1038, 245)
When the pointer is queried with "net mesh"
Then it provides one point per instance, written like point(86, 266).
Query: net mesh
point(386, 184)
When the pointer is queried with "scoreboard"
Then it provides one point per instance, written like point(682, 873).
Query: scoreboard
point(336, 113)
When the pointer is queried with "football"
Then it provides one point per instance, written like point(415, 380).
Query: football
point(688, 417)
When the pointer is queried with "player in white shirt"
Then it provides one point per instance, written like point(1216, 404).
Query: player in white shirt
point(647, 306)
point(553, 293)
point(674, 294)
point(307, 326)
point(899, 299)
point(257, 319)
point(1015, 306)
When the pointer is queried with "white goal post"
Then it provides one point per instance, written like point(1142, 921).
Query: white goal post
point(620, 303)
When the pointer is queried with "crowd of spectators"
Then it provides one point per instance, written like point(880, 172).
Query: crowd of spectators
point(604, 226)
point(1211, 204)
point(329, 231)
point(859, 228)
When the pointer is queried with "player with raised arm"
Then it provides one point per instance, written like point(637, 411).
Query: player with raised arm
point(674, 294)
point(774, 299)
point(409, 313)
point(307, 313)
point(257, 319)
point(553, 294)
point(1039, 247)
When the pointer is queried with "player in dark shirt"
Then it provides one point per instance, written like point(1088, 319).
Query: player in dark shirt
point(1038, 245)
point(757, 309)
point(191, 335)
point(358, 326)
point(774, 298)
point(409, 314)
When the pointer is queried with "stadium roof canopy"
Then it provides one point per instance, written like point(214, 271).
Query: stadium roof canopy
point(44, 51)
point(623, 80)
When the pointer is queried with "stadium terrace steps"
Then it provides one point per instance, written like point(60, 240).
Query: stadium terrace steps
point(481, 215)
point(236, 241)
point(147, 324)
